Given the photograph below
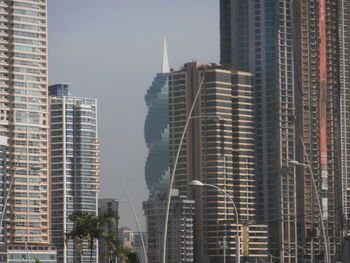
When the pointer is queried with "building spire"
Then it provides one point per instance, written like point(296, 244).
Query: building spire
point(165, 64)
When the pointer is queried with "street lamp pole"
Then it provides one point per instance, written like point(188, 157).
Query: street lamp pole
point(136, 220)
point(174, 170)
point(319, 205)
point(199, 183)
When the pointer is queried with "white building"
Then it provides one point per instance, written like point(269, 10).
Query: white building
point(74, 166)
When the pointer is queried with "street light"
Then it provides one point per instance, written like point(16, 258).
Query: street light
point(294, 162)
point(199, 183)
point(136, 220)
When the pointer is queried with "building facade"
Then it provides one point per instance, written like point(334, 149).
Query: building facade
point(180, 232)
point(20, 254)
point(157, 130)
point(108, 205)
point(218, 149)
point(126, 237)
point(3, 179)
point(298, 52)
point(138, 246)
point(74, 167)
point(24, 119)
point(157, 176)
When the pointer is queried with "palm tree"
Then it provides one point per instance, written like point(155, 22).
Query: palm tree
point(89, 227)
point(115, 250)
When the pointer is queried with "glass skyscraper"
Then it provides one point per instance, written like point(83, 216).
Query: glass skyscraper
point(157, 134)
point(157, 130)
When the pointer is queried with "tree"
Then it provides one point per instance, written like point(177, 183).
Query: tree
point(115, 250)
point(133, 257)
point(88, 227)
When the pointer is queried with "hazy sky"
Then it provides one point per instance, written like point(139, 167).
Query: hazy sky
point(111, 50)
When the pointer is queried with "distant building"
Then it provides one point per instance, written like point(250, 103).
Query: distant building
point(132, 241)
point(180, 232)
point(74, 166)
point(157, 130)
point(126, 236)
point(138, 247)
point(157, 170)
point(108, 205)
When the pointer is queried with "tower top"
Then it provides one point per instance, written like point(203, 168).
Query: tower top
point(165, 64)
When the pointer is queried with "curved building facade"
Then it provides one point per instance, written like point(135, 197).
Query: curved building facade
point(157, 134)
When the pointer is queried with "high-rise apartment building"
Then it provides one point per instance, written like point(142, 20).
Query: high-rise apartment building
point(218, 149)
point(180, 233)
point(298, 52)
point(74, 167)
point(24, 119)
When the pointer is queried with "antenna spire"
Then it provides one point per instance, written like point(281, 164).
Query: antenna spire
point(165, 64)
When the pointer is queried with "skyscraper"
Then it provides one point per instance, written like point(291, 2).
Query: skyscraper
point(157, 130)
point(218, 149)
point(298, 52)
point(74, 166)
point(157, 177)
point(24, 120)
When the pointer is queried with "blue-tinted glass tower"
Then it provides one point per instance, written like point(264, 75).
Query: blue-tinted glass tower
point(157, 131)
point(257, 36)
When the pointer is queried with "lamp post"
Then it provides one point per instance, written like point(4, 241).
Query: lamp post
point(319, 205)
point(136, 220)
point(199, 183)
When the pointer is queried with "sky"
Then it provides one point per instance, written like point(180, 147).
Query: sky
point(111, 50)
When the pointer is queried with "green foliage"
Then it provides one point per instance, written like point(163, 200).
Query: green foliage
point(115, 250)
point(89, 227)
point(37, 261)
